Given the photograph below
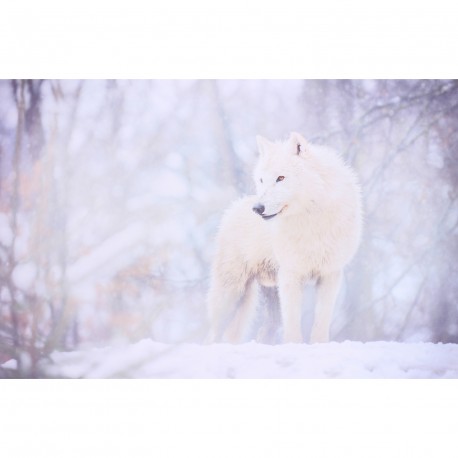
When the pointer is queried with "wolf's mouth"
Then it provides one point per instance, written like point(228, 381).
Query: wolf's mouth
point(269, 216)
point(275, 214)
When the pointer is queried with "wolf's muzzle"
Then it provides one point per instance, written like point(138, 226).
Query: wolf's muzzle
point(259, 209)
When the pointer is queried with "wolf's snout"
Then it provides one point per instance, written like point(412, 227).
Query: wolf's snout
point(259, 209)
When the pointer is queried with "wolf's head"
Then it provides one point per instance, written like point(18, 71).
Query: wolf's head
point(283, 176)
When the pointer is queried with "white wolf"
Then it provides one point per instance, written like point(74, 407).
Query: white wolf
point(303, 225)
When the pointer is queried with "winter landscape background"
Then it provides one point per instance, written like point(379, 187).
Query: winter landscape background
point(111, 193)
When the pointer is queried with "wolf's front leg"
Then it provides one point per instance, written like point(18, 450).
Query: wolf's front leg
point(327, 291)
point(290, 292)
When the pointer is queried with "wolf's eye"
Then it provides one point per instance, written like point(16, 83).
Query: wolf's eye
point(280, 178)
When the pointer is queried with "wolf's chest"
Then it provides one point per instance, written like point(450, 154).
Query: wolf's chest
point(305, 248)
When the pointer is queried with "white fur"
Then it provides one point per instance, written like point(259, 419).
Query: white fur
point(315, 233)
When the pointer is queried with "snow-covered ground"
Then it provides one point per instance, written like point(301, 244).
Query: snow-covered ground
point(149, 359)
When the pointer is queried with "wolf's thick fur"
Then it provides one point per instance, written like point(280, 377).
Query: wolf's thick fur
point(303, 225)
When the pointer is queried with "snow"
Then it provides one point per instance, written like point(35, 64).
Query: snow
point(149, 359)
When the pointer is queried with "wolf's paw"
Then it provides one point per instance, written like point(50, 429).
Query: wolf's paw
point(319, 336)
point(292, 338)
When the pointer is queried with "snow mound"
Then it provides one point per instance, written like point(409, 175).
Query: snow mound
point(149, 359)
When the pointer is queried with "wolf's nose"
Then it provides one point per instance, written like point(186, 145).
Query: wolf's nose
point(259, 209)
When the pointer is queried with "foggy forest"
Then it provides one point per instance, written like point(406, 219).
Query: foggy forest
point(111, 193)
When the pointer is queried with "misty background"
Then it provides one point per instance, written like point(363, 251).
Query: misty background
point(111, 193)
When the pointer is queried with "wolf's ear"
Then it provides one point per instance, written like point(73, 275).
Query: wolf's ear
point(263, 144)
point(298, 143)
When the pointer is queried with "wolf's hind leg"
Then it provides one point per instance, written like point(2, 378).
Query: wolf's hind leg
point(268, 333)
point(221, 307)
point(244, 314)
